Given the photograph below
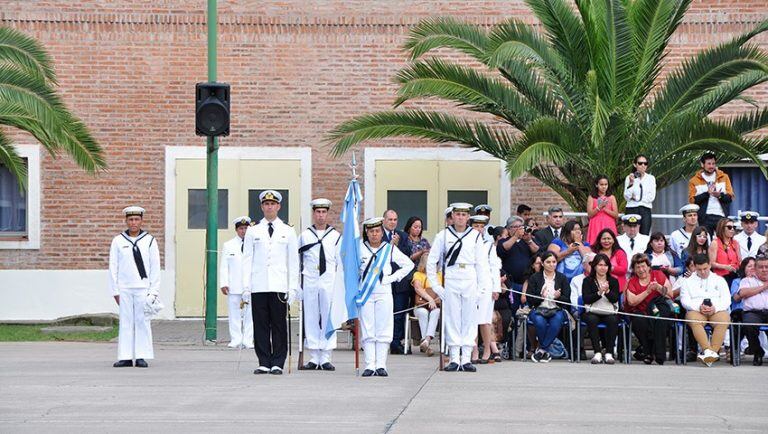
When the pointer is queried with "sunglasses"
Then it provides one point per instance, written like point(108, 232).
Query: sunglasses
point(642, 163)
point(730, 227)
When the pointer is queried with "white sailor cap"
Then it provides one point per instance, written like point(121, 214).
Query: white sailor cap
point(483, 208)
point(320, 203)
point(461, 207)
point(631, 219)
point(270, 195)
point(749, 216)
point(133, 210)
point(448, 211)
point(479, 218)
point(691, 207)
point(241, 221)
point(373, 222)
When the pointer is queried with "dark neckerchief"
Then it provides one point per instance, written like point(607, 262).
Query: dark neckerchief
point(453, 253)
point(322, 264)
point(136, 252)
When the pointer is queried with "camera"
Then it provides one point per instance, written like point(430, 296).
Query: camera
point(528, 230)
point(636, 174)
point(707, 302)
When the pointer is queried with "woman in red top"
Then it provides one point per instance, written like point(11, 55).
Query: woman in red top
point(643, 290)
point(609, 246)
point(724, 251)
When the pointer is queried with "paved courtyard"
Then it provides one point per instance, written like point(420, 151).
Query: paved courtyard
point(71, 387)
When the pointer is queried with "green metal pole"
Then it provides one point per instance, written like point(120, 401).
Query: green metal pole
point(212, 187)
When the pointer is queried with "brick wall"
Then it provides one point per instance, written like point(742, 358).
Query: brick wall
point(297, 68)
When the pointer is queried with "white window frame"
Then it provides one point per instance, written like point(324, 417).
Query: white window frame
point(32, 242)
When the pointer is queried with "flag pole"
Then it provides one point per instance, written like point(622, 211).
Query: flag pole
point(353, 166)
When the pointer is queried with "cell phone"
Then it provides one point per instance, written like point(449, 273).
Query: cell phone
point(707, 302)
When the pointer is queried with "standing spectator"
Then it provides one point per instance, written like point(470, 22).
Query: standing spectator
point(523, 211)
point(753, 290)
point(699, 243)
point(600, 294)
point(515, 253)
point(749, 240)
point(569, 250)
point(632, 241)
point(640, 192)
point(544, 289)
point(663, 258)
point(401, 289)
point(414, 245)
point(724, 251)
point(680, 238)
point(602, 209)
point(609, 246)
point(711, 190)
point(555, 224)
point(644, 289)
point(706, 298)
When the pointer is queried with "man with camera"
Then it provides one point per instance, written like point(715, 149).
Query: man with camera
point(640, 192)
point(706, 298)
point(515, 253)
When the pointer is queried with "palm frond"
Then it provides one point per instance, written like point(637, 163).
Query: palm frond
point(565, 32)
point(749, 122)
point(611, 45)
point(12, 161)
point(24, 52)
point(446, 32)
point(726, 92)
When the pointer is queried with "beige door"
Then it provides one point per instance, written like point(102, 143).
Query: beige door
point(424, 188)
point(240, 182)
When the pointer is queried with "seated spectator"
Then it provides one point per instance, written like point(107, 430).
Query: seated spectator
point(577, 283)
point(602, 210)
point(663, 258)
point(746, 269)
point(428, 315)
point(533, 267)
point(706, 298)
point(569, 250)
point(601, 302)
point(609, 246)
point(544, 289)
point(647, 294)
point(724, 252)
point(698, 245)
point(754, 291)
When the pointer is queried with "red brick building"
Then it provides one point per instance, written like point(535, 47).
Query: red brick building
point(297, 68)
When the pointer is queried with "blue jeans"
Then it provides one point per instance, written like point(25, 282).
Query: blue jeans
point(547, 329)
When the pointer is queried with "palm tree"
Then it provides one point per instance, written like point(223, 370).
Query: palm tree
point(29, 102)
point(582, 97)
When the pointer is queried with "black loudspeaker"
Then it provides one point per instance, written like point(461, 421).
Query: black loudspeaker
point(212, 109)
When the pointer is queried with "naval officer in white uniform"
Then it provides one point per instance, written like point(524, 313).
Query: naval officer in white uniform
point(460, 252)
point(319, 252)
point(271, 277)
point(134, 279)
point(231, 284)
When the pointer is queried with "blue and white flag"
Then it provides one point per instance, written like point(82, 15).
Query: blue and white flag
point(373, 273)
point(346, 286)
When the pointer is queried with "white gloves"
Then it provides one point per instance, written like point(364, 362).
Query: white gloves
point(152, 306)
point(293, 295)
point(246, 297)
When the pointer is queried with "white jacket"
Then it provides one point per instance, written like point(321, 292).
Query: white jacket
point(387, 276)
point(469, 274)
point(231, 268)
point(637, 196)
point(271, 264)
point(123, 272)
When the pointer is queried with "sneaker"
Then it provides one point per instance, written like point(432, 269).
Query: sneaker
point(609, 360)
point(424, 346)
point(700, 358)
point(710, 357)
point(546, 358)
point(537, 356)
point(597, 359)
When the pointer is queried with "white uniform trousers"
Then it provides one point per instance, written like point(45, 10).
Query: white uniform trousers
point(240, 322)
point(485, 305)
point(317, 305)
point(460, 317)
point(376, 324)
point(134, 339)
point(427, 321)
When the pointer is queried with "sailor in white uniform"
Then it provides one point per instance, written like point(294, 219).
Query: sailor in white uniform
point(375, 296)
point(749, 239)
point(231, 284)
point(486, 300)
point(632, 241)
point(271, 277)
point(485, 210)
point(134, 279)
point(459, 251)
point(320, 259)
point(680, 238)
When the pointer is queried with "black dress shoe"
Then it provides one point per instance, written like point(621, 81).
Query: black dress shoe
point(141, 363)
point(452, 367)
point(381, 372)
point(276, 371)
point(660, 360)
point(397, 350)
point(261, 371)
point(468, 367)
point(368, 373)
point(327, 367)
point(757, 361)
point(311, 366)
point(123, 364)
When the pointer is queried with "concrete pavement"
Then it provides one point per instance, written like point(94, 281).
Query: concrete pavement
point(71, 387)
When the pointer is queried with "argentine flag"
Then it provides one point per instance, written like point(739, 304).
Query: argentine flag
point(345, 288)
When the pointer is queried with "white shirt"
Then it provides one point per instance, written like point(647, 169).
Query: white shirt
point(758, 301)
point(270, 264)
point(713, 206)
point(471, 263)
point(231, 268)
point(387, 276)
point(576, 284)
point(757, 241)
point(641, 244)
point(310, 259)
point(494, 266)
point(123, 273)
point(695, 289)
point(642, 192)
